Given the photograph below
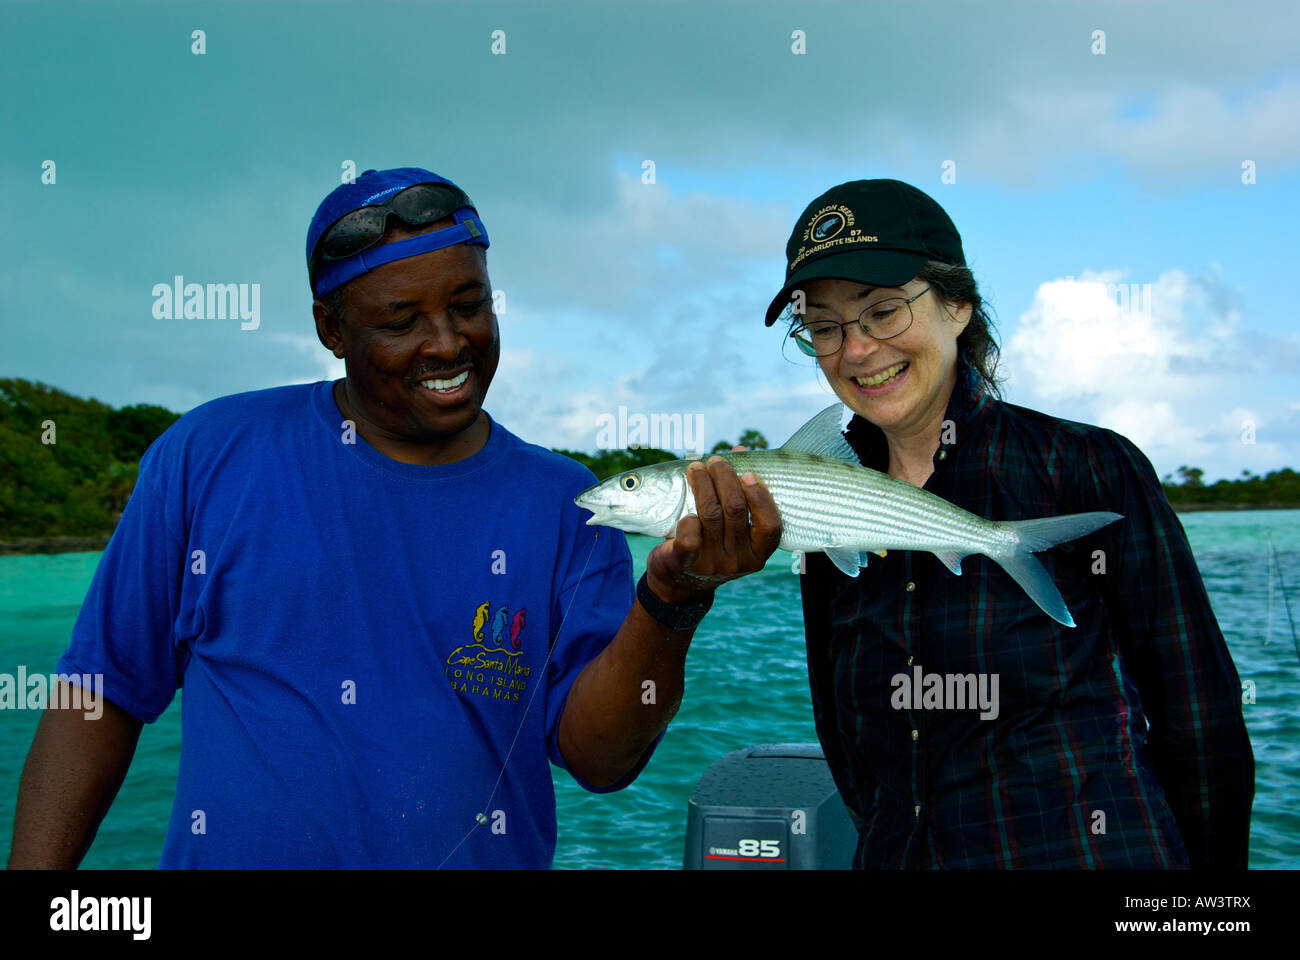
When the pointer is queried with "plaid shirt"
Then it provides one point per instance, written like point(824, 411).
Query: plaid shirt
point(1119, 743)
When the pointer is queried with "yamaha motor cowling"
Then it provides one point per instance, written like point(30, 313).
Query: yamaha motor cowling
point(770, 807)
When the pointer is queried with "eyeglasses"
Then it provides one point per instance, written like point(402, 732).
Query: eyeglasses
point(882, 320)
point(361, 229)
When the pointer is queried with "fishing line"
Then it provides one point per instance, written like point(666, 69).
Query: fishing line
point(480, 818)
point(1268, 564)
point(1286, 602)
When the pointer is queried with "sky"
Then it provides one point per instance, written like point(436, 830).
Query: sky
point(1127, 199)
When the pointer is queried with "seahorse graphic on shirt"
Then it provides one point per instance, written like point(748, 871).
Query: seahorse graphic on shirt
point(480, 618)
point(499, 623)
point(516, 626)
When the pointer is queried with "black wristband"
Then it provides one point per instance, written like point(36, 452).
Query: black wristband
point(685, 616)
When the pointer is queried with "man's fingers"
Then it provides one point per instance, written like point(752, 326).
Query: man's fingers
point(735, 510)
point(688, 539)
point(675, 554)
point(707, 507)
point(765, 532)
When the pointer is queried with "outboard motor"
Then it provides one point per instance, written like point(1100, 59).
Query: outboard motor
point(769, 807)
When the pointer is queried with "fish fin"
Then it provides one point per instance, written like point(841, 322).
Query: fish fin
point(1046, 532)
point(846, 558)
point(823, 435)
point(952, 560)
point(1033, 578)
point(1042, 534)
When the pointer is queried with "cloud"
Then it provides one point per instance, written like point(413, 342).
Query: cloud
point(1165, 363)
point(1184, 131)
point(656, 307)
point(564, 408)
point(652, 245)
point(1200, 128)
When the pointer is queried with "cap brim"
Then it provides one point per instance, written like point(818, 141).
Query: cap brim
point(880, 268)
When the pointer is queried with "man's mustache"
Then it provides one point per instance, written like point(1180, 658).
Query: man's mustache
point(461, 361)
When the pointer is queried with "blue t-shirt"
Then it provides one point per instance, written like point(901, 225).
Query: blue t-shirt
point(358, 638)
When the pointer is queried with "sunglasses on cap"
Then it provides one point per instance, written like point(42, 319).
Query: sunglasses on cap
point(416, 206)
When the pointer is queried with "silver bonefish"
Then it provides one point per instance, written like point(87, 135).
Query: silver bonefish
point(832, 504)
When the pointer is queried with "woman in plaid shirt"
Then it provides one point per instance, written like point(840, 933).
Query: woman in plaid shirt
point(1117, 743)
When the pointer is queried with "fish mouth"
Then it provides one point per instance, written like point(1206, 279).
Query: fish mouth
point(599, 513)
point(598, 517)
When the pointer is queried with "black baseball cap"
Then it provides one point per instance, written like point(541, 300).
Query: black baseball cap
point(880, 232)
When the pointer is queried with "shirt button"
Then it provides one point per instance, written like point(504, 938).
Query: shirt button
point(943, 454)
point(916, 810)
point(909, 661)
point(915, 734)
point(910, 586)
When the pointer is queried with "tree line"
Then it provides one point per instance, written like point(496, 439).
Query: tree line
point(610, 463)
point(1277, 490)
point(68, 464)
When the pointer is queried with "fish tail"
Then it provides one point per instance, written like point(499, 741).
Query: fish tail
point(1042, 534)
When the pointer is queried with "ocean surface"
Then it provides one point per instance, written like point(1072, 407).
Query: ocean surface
point(746, 683)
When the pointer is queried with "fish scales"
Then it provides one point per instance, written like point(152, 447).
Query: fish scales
point(865, 512)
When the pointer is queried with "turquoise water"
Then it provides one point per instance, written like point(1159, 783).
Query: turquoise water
point(746, 683)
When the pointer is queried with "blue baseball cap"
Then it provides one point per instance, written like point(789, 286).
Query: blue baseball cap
point(374, 187)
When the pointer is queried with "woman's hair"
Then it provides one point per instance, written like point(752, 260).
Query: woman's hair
point(956, 284)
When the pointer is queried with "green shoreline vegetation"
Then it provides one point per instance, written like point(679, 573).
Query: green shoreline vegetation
point(68, 466)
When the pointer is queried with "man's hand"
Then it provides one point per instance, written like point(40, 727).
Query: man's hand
point(720, 544)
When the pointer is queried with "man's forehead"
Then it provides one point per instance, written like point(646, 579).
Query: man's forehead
point(469, 285)
point(430, 279)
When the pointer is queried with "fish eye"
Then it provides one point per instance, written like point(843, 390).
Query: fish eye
point(630, 482)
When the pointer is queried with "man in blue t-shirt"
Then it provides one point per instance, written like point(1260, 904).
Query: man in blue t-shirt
point(384, 607)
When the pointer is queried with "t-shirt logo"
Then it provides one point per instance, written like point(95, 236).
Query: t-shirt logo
point(486, 667)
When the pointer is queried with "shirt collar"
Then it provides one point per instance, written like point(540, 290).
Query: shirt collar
point(966, 407)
